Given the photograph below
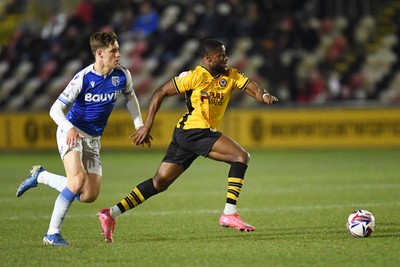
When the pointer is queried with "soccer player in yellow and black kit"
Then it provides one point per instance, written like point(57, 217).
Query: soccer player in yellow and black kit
point(207, 90)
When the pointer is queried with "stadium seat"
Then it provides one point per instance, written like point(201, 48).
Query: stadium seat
point(23, 69)
point(4, 67)
point(16, 103)
point(7, 86)
point(30, 87)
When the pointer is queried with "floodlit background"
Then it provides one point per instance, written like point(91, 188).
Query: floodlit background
point(315, 52)
point(334, 65)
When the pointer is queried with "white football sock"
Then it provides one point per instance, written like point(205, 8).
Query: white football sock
point(115, 212)
point(55, 181)
point(230, 209)
point(61, 206)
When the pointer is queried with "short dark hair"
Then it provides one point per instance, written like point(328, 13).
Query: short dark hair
point(101, 40)
point(208, 45)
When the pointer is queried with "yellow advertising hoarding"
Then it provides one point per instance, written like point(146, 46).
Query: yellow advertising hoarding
point(319, 128)
point(253, 129)
point(37, 131)
point(24, 131)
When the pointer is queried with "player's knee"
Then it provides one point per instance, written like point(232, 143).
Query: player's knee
point(161, 183)
point(75, 186)
point(247, 157)
point(76, 183)
point(244, 157)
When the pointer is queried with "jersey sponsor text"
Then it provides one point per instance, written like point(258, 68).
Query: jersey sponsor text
point(89, 97)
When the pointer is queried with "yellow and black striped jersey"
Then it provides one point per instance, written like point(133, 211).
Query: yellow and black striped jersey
point(206, 96)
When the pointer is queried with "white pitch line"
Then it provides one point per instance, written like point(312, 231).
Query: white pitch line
point(199, 212)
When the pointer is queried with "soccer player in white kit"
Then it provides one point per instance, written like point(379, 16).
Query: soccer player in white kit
point(90, 97)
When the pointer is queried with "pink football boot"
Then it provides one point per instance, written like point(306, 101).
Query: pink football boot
point(234, 221)
point(107, 224)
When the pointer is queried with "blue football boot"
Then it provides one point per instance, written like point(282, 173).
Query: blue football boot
point(54, 240)
point(31, 181)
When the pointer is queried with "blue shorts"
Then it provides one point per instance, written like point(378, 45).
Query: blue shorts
point(187, 145)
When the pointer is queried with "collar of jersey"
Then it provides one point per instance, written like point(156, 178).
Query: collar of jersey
point(98, 73)
point(216, 76)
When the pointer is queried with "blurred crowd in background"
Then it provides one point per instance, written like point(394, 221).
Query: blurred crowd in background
point(307, 53)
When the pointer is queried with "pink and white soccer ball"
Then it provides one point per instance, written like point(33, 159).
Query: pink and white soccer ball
point(361, 223)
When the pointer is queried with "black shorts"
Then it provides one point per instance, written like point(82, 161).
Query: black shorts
point(187, 145)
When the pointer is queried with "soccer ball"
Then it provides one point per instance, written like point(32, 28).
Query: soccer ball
point(361, 223)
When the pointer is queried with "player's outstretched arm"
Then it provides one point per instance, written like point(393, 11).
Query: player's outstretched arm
point(142, 134)
point(261, 95)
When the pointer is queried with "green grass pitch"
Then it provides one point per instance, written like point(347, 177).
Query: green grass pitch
point(298, 200)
